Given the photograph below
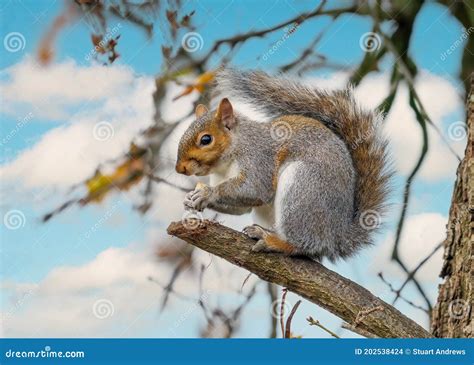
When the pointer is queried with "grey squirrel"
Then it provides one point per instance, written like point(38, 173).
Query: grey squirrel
point(320, 164)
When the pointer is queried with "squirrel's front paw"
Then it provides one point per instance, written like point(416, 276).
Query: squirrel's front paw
point(198, 199)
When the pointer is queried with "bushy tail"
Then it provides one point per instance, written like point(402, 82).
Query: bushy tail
point(338, 110)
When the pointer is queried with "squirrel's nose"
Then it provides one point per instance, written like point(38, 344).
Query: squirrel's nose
point(181, 168)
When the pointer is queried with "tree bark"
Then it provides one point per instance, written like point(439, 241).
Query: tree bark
point(452, 315)
point(339, 295)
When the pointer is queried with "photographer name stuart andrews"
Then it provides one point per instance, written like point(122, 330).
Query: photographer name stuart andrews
point(438, 352)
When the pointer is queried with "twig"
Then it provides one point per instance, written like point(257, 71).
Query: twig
point(412, 273)
point(406, 195)
point(282, 311)
point(411, 82)
point(409, 302)
point(171, 290)
point(299, 19)
point(314, 322)
point(184, 263)
point(245, 281)
point(272, 292)
point(290, 319)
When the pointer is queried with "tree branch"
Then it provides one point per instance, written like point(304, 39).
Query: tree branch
point(331, 291)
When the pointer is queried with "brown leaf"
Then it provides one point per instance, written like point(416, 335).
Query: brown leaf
point(200, 85)
point(171, 16)
point(186, 20)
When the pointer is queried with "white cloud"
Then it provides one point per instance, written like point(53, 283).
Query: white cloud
point(421, 234)
point(62, 304)
point(52, 90)
point(440, 99)
point(70, 153)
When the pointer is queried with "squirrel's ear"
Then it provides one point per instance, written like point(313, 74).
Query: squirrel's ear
point(225, 114)
point(200, 110)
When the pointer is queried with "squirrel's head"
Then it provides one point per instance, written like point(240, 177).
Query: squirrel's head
point(207, 140)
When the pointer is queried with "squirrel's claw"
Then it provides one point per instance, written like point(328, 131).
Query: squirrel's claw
point(260, 246)
point(255, 232)
point(197, 199)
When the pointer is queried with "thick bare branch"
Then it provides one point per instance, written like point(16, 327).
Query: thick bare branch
point(331, 291)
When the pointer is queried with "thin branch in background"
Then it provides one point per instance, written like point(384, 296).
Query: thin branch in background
point(407, 76)
point(200, 291)
point(248, 297)
point(282, 310)
point(412, 273)
point(406, 195)
point(182, 265)
point(299, 19)
point(229, 319)
point(308, 51)
point(314, 322)
point(171, 290)
point(273, 294)
point(290, 319)
point(245, 281)
point(409, 302)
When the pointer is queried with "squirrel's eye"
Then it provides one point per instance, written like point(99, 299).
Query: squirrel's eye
point(205, 140)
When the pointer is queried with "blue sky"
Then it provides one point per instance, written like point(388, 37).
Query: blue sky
point(33, 252)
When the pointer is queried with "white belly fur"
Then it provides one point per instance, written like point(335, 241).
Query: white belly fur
point(286, 179)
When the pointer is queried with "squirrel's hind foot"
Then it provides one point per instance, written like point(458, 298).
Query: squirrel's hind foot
point(268, 241)
point(256, 232)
